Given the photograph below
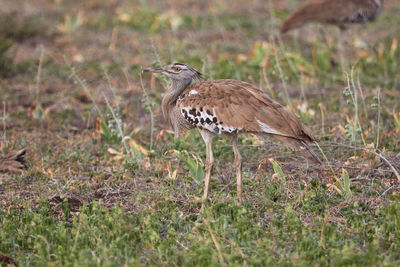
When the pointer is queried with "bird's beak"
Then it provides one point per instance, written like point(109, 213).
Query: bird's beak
point(157, 70)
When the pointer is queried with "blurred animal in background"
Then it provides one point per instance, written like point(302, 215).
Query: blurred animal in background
point(337, 12)
point(228, 107)
point(13, 161)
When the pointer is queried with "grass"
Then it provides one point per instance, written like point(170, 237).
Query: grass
point(226, 234)
point(106, 184)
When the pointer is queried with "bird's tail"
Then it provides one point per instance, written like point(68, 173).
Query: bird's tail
point(300, 147)
point(308, 152)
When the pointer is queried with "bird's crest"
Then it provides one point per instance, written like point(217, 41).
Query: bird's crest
point(197, 75)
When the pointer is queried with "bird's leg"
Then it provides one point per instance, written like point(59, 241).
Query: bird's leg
point(238, 166)
point(209, 165)
point(207, 136)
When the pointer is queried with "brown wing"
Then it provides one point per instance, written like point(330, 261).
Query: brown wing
point(13, 161)
point(229, 106)
point(334, 11)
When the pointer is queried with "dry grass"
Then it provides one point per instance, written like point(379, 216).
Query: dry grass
point(95, 137)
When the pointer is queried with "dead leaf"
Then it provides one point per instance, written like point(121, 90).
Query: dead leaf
point(7, 260)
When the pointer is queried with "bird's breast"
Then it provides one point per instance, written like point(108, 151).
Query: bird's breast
point(206, 119)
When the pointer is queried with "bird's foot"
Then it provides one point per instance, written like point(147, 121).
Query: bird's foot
point(239, 201)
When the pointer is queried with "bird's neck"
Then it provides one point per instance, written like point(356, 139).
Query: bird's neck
point(169, 100)
point(377, 3)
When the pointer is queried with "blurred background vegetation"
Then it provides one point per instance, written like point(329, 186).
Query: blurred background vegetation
point(105, 184)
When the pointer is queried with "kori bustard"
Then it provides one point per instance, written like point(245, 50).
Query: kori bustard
point(337, 12)
point(228, 107)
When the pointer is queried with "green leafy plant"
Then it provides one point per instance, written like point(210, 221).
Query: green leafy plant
point(108, 134)
point(344, 185)
point(278, 170)
point(193, 164)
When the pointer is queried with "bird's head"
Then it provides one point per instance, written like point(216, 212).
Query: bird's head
point(177, 72)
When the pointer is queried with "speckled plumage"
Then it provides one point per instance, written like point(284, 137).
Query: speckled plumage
point(232, 107)
point(228, 107)
point(338, 12)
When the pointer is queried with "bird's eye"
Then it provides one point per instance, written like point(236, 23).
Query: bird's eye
point(177, 69)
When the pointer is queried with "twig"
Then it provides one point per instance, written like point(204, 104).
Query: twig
point(329, 163)
point(378, 119)
point(384, 192)
point(117, 121)
point(266, 81)
point(321, 107)
point(4, 119)
point(149, 108)
point(214, 239)
point(110, 86)
point(355, 102)
point(396, 173)
point(83, 85)
point(128, 82)
point(37, 84)
point(339, 206)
